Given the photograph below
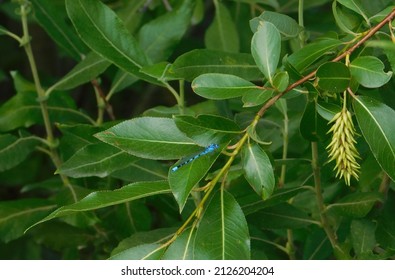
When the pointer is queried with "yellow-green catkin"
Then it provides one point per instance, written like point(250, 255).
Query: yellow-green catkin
point(342, 147)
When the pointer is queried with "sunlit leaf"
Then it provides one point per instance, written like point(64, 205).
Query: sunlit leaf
point(258, 170)
point(369, 71)
point(223, 86)
point(223, 232)
point(266, 48)
point(376, 122)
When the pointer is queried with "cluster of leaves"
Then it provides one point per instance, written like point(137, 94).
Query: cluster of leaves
point(268, 84)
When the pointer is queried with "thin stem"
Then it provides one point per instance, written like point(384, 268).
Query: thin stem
point(285, 150)
point(319, 198)
point(42, 98)
point(181, 104)
point(300, 13)
point(290, 245)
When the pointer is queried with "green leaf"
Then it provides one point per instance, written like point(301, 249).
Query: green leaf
point(101, 199)
point(51, 15)
point(327, 110)
point(85, 71)
point(258, 170)
point(223, 231)
point(190, 65)
point(189, 175)
point(287, 26)
point(266, 48)
point(142, 252)
point(255, 98)
point(101, 29)
point(369, 71)
point(252, 203)
point(181, 248)
point(147, 137)
point(363, 236)
point(306, 56)
point(14, 150)
point(345, 21)
point(357, 6)
point(17, 215)
point(207, 129)
point(142, 170)
point(121, 81)
point(281, 216)
point(95, 160)
point(159, 36)
point(385, 232)
point(356, 205)
point(222, 86)
point(23, 110)
point(333, 76)
point(317, 246)
point(222, 33)
point(376, 122)
point(281, 81)
point(144, 237)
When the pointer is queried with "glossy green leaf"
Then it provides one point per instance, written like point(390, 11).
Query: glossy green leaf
point(14, 150)
point(258, 170)
point(181, 248)
point(222, 86)
point(266, 48)
point(142, 252)
point(369, 71)
point(189, 175)
point(88, 69)
point(281, 81)
point(157, 71)
point(23, 110)
point(283, 215)
point(375, 120)
point(345, 21)
point(333, 77)
point(95, 160)
point(144, 237)
point(207, 129)
point(223, 231)
point(101, 29)
point(142, 170)
point(363, 236)
point(101, 199)
point(159, 36)
point(327, 110)
point(357, 6)
point(287, 26)
point(17, 215)
point(222, 33)
point(306, 56)
point(356, 205)
point(255, 98)
point(190, 65)
point(147, 137)
point(51, 15)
